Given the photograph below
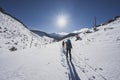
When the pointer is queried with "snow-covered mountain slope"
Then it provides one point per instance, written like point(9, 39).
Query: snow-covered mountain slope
point(95, 57)
point(57, 36)
point(15, 36)
point(83, 30)
point(63, 33)
point(41, 33)
point(97, 54)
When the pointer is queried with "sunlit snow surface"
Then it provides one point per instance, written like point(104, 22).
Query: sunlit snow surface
point(95, 57)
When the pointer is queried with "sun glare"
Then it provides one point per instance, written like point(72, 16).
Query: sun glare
point(62, 21)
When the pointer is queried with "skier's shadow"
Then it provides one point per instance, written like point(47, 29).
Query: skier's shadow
point(72, 71)
point(63, 50)
point(73, 74)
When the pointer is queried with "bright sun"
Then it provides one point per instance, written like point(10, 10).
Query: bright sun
point(61, 21)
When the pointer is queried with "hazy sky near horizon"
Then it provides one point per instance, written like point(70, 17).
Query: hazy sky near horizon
point(42, 14)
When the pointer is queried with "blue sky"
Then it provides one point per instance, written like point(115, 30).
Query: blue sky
point(42, 14)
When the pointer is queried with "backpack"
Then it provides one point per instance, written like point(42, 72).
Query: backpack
point(68, 44)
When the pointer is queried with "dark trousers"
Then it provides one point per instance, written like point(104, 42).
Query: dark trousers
point(68, 51)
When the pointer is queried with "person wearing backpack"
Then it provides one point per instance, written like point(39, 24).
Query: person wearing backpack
point(63, 47)
point(63, 43)
point(68, 49)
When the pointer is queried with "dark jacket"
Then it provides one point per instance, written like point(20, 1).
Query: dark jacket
point(63, 43)
point(68, 44)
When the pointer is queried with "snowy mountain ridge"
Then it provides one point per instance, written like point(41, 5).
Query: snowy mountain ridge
point(55, 36)
point(94, 57)
point(15, 36)
point(97, 54)
point(63, 35)
point(90, 30)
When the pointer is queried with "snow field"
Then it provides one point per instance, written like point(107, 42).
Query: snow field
point(32, 64)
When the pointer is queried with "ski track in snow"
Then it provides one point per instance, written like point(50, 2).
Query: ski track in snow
point(72, 73)
point(88, 70)
point(82, 66)
point(48, 62)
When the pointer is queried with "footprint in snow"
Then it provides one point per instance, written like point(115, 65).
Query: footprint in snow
point(101, 69)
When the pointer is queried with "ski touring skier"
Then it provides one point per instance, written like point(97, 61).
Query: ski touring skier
point(68, 49)
point(63, 47)
point(63, 43)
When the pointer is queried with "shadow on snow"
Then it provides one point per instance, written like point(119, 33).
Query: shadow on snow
point(73, 74)
point(72, 71)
